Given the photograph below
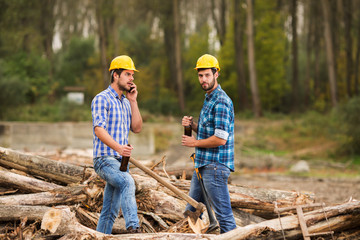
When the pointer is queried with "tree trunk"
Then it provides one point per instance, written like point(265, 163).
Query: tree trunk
point(316, 6)
point(220, 21)
point(58, 196)
point(36, 165)
point(102, 43)
point(258, 201)
point(24, 183)
point(309, 19)
point(16, 212)
point(294, 49)
point(357, 62)
point(239, 56)
point(251, 55)
point(340, 217)
point(329, 53)
point(177, 53)
point(348, 46)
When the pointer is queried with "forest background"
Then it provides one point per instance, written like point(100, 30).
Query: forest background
point(293, 60)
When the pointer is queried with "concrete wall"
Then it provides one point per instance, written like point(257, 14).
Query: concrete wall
point(52, 136)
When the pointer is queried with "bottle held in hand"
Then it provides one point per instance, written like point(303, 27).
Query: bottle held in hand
point(124, 162)
point(187, 130)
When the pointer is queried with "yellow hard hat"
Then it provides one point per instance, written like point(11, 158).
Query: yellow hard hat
point(123, 62)
point(207, 61)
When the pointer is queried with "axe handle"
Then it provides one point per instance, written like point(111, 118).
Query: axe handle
point(177, 191)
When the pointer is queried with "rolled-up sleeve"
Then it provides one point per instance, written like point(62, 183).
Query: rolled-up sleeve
point(223, 118)
point(99, 111)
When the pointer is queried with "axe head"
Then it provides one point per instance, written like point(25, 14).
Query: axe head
point(194, 216)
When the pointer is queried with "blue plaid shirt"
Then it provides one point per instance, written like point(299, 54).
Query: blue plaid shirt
point(216, 118)
point(113, 113)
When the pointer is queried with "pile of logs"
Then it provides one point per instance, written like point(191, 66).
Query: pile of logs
point(47, 199)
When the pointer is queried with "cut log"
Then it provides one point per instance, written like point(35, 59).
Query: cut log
point(259, 200)
point(340, 217)
point(68, 226)
point(14, 213)
point(64, 195)
point(24, 183)
point(36, 165)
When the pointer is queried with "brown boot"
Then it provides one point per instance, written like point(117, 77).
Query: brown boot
point(135, 230)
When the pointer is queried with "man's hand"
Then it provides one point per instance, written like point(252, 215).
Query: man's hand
point(187, 121)
point(188, 141)
point(132, 95)
point(126, 150)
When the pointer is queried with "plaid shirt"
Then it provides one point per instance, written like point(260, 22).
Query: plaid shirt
point(113, 113)
point(216, 118)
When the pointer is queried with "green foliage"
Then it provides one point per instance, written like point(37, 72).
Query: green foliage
point(270, 42)
point(73, 63)
point(13, 90)
point(30, 71)
point(44, 111)
point(350, 113)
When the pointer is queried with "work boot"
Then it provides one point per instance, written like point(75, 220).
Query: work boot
point(134, 230)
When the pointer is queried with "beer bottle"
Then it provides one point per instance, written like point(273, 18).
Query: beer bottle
point(187, 130)
point(124, 162)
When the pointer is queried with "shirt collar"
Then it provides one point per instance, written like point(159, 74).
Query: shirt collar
point(213, 93)
point(115, 94)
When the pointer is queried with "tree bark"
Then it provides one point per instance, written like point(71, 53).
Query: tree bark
point(24, 183)
point(251, 55)
point(16, 212)
point(340, 217)
point(102, 42)
point(329, 53)
point(177, 53)
point(56, 197)
point(357, 62)
point(219, 22)
point(294, 50)
point(36, 165)
point(259, 200)
point(239, 56)
point(348, 46)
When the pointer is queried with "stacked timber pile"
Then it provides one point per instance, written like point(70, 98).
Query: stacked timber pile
point(42, 198)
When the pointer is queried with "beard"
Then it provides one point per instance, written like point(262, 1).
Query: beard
point(123, 87)
point(211, 85)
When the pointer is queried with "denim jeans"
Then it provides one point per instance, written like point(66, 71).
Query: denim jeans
point(119, 192)
point(215, 178)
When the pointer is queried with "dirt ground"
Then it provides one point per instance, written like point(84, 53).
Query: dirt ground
point(326, 190)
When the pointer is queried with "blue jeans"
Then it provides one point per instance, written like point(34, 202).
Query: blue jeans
point(215, 178)
point(119, 192)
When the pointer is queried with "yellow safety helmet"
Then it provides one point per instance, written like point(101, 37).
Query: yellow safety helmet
point(123, 62)
point(207, 61)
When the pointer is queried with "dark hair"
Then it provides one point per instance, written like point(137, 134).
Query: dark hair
point(117, 71)
point(214, 70)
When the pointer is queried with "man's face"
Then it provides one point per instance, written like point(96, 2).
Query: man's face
point(207, 79)
point(125, 80)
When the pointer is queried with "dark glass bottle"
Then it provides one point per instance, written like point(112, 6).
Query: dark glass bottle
point(187, 130)
point(124, 163)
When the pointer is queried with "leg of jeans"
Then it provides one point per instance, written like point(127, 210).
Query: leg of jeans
point(119, 191)
point(195, 192)
point(109, 211)
point(128, 202)
point(215, 178)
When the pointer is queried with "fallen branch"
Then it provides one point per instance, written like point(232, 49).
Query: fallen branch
point(14, 213)
point(51, 169)
point(24, 183)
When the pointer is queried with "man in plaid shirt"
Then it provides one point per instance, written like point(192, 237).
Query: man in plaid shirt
point(114, 115)
point(214, 144)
